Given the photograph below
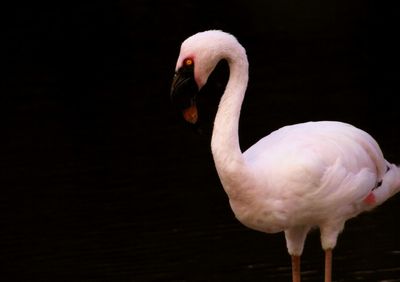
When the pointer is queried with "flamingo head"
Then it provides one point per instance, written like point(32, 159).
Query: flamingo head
point(198, 57)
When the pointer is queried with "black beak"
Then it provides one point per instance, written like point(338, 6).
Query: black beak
point(183, 93)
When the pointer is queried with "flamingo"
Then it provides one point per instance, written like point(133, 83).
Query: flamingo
point(301, 176)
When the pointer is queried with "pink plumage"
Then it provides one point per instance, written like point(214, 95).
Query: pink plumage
point(314, 174)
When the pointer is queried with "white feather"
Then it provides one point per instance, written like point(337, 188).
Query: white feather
point(300, 176)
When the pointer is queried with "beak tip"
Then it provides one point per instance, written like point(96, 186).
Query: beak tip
point(190, 114)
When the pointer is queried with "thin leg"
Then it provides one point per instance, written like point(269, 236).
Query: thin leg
point(328, 265)
point(296, 269)
point(295, 238)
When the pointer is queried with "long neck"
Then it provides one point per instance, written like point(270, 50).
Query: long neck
point(225, 145)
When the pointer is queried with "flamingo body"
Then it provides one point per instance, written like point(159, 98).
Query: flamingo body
point(311, 174)
point(314, 174)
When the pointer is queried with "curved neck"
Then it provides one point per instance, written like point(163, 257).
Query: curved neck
point(225, 138)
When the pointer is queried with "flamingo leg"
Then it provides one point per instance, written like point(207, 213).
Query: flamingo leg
point(328, 265)
point(296, 275)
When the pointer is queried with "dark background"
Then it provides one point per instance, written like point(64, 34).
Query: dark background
point(102, 181)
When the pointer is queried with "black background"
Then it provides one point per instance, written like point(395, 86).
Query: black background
point(102, 181)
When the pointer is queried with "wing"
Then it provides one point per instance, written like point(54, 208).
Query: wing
point(316, 164)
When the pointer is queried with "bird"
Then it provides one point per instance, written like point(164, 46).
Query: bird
point(316, 174)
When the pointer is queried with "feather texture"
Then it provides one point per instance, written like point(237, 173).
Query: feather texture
point(314, 174)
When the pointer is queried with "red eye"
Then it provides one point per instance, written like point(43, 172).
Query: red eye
point(188, 62)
